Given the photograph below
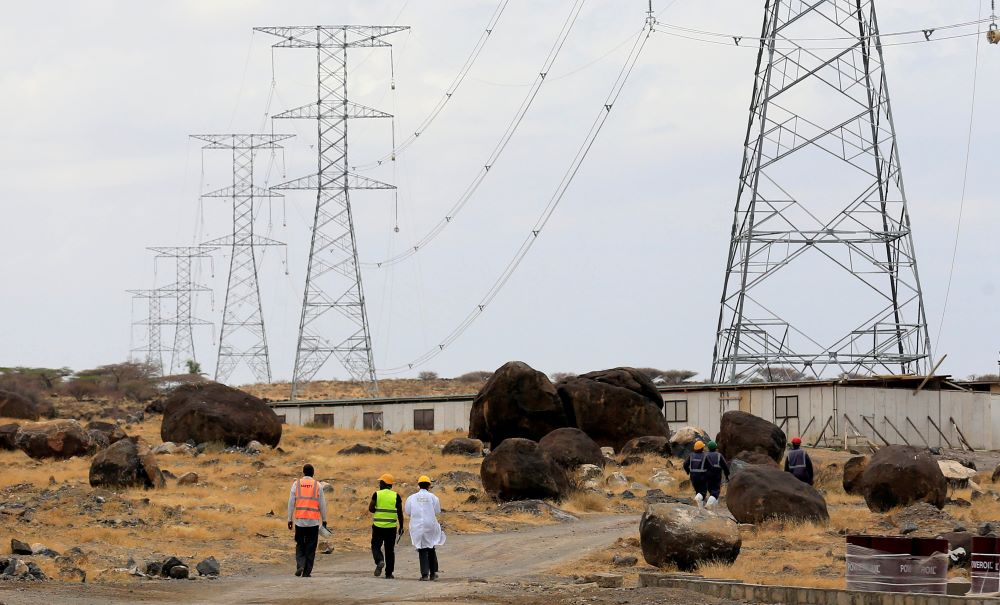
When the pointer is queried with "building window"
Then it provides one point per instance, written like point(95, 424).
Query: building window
point(786, 406)
point(423, 420)
point(281, 418)
point(676, 411)
point(324, 419)
point(373, 421)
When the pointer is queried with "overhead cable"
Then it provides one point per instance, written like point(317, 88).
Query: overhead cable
point(532, 236)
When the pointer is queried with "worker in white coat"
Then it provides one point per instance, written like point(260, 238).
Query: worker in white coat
point(423, 508)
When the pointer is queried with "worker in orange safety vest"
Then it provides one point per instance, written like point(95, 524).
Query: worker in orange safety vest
point(306, 512)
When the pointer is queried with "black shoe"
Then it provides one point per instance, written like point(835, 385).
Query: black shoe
point(389, 576)
point(423, 578)
point(378, 569)
point(298, 572)
point(434, 577)
point(307, 575)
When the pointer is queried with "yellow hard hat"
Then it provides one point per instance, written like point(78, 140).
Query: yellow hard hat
point(387, 479)
point(698, 446)
point(423, 479)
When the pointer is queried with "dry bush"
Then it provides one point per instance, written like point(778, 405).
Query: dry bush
point(585, 502)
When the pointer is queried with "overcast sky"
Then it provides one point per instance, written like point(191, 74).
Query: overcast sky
point(95, 163)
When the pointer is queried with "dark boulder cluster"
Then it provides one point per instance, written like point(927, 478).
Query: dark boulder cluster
point(521, 469)
point(127, 463)
point(14, 405)
point(175, 569)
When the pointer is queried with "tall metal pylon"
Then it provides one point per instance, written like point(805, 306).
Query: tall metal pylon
point(242, 336)
point(153, 349)
point(333, 276)
point(821, 277)
point(183, 290)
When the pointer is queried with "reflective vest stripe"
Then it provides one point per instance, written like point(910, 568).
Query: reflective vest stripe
point(385, 509)
point(797, 461)
point(714, 462)
point(701, 459)
point(307, 499)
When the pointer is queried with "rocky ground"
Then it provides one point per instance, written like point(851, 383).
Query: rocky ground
point(231, 507)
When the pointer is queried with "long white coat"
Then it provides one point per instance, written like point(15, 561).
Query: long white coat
point(422, 508)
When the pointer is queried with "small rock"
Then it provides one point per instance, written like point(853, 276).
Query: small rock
point(587, 472)
point(627, 495)
point(255, 447)
point(908, 528)
point(985, 529)
point(19, 548)
point(40, 550)
point(326, 486)
point(606, 580)
point(153, 568)
point(624, 560)
point(179, 572)
point(325, 548)
point(959, 502)
point(960, 527)
point(188, 479)
point(169, 564)
point(208, 567)
point(35, 571)
point(73, 574)
point(616, 480)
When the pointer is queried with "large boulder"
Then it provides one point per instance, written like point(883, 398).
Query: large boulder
point(113, 432)
point(14, 405)
point(641, 446)
point(899, 475)
point(628, 378)
point(683, 440)
point(685, 536)
point(612, 415)
point(854, 469)
point(761, 492)
point(520, 470)
point(128, 462)
point(463, 446)
point(571, 448)
point(7, 434)
point(211, 411)
point(517, 401)
point(59, 439)
point(741, 431)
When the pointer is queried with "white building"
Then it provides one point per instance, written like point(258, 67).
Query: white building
point(892, 409)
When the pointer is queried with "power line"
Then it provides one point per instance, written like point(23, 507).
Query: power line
point(544, 217)
point(498, 150)
point(448, 94)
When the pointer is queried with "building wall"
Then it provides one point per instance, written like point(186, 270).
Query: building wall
point(396, 417)
point(871, 412)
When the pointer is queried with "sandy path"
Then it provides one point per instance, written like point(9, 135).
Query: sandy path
point(348, 578)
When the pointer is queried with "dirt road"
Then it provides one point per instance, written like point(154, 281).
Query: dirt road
point(348, 578)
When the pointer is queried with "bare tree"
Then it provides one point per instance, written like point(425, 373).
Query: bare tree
point(427, 375)
point(677, 376)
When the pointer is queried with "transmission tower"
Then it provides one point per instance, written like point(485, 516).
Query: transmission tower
point(183, 290)
point(153, 349)
point(242, 336)
point(821, 276)
point(333, 276)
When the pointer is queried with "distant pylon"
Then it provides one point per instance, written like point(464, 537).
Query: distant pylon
point(183, 290)
point(821, 181)
point(242, 336)
point(333, 277)
point(153, 347)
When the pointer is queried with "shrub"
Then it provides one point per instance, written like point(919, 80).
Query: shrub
point(80, 389)
point(427, 375)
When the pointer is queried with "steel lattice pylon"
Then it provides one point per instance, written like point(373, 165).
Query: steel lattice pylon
point(183, 290)
point(333, 277)
point(242, 336)
point(820, 180)
point(154, 326)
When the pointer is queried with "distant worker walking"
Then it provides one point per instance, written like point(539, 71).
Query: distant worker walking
point(306, 511)
point(694, 466)
point(387, 518)
point(423, 508)
point(715, 467)
point(798, 463)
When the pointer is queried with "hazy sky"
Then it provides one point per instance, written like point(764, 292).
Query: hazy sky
point(100, 97)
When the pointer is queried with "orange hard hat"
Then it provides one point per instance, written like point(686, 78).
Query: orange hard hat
point(698, 446)
point(387, 479)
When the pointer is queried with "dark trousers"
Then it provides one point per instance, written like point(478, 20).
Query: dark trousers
point(306, 539)
point(428, 561)
point(384, 537)
point(700, 486)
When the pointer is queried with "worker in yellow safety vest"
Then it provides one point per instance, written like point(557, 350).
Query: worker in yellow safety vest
point(387, 519)
point(306, 511)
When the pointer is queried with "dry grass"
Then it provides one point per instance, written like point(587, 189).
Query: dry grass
point(338, 389)
point(236, 511)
